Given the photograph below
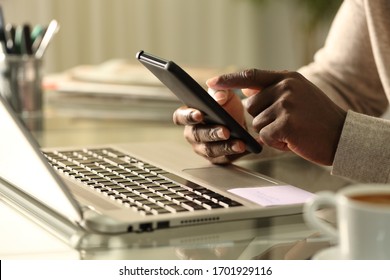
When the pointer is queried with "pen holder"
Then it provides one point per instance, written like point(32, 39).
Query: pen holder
point(21, 85)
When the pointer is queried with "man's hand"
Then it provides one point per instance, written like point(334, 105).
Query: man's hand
point(290, 113)
point(213, 141)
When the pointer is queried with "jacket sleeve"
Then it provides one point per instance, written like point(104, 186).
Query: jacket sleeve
point(363, 153)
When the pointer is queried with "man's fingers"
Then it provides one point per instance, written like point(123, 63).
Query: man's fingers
point(205, 133)
point(251, 79)
point(215, 150)
point(257, 103)
point(273, 137)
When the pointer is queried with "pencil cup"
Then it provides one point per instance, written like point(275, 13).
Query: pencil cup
point(21, 85)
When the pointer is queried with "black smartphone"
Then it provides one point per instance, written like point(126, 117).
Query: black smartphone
point(193, 95)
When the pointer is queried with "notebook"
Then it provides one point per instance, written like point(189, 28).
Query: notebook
point(64, 202)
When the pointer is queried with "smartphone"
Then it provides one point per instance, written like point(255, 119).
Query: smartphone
point(193, 95)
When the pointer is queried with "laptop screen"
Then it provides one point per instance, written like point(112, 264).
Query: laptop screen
point(23, 166)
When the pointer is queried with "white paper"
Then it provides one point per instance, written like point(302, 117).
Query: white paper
point(274, 195)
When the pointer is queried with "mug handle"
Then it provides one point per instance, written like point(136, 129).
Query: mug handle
point(310, 208)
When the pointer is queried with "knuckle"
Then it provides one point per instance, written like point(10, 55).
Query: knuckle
point(291, 80)
point(286, 85)
point(268, 136)
point(213, 134)
point(206, 133)
point(217, 150)
point(284, 104)
point(195, 133)
point(249, 74)
point(262, 120)
point(227, 148)
point(295, 75)
point(250, 105)
point(278, 132)
point(208, 151)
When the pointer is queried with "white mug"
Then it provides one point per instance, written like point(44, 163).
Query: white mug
point(363, 220)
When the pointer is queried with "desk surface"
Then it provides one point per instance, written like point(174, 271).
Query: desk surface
point(266, 238)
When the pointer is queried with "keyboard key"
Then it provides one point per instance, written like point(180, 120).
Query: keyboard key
point(160, 210)
point(212, 205)
point(115, 161)
point(192, 206)
point(175, 208)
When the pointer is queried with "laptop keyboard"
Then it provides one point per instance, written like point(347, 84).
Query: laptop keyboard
point(135, 184)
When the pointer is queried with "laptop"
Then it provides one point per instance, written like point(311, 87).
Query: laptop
point(62, 189)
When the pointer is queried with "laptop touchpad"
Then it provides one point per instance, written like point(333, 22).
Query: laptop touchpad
point(228, 177)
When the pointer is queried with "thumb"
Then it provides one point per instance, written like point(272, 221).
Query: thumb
point(249, 92)
point(221, 96)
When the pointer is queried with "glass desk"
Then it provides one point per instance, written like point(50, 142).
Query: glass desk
point(285, 237)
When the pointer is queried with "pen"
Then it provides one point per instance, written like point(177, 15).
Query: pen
point(18, 37)
point(2, 25)
point(3, 49)
point(36, 36)
point(3, 39)
point(47, 37)
point(23, 43)
point(26, 43)
point(10, 38)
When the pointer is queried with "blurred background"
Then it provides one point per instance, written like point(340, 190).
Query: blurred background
point(282, 34)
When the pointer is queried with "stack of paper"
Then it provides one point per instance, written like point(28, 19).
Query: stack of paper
point(116, 88)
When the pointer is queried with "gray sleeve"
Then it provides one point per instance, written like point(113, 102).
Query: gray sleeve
point(363, 152)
